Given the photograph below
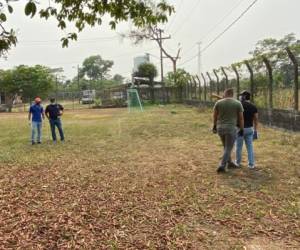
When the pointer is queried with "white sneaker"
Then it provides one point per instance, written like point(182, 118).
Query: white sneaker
point(251, 167)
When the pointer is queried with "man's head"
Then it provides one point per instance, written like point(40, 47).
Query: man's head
point(245, 95)
point(228, 93)
point(37, 100)
point(52, 100)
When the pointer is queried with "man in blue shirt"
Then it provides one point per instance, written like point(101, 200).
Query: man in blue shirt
point(35, 116)
point(54, 111)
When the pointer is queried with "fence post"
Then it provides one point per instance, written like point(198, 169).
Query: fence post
point(200, 88)
point(189, 90)
point(270, 75)
point(210, 85)
point(204, 80)
point(218, 82)
point(226, 78)
point(296, 78)
point(237, 79)
point(251, 79)
point(195, 86)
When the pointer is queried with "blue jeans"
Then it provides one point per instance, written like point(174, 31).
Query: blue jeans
point(248, 138)
point(56, 123)
point(36, 127)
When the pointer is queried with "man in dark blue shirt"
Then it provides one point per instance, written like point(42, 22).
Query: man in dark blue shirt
point(53, 112)
point(250, 130)
point(35, 116)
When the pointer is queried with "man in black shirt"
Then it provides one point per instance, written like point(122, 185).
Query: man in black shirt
point(53, 112)
point(250, 130)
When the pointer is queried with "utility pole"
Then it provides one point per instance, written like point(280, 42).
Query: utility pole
point(160, 40)
point(78, 83)
point(199, 58)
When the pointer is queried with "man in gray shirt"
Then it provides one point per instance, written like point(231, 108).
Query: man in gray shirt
point(228, 113)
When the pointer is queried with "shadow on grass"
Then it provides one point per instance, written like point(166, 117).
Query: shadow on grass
point(250, 180)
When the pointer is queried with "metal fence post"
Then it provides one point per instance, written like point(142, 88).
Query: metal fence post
point(226, 78)
point(296, 78)
point(205, 90)
point(237, 79)
point(270, 86)
point(218, 81)
point(251, 79)
point(200, 87)
point(210, 85)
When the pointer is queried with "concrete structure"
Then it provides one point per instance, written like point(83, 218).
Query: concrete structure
point(137, 61)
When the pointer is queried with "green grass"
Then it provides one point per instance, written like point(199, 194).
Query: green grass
point(144, 181)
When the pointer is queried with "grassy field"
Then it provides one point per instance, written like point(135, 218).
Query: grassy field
point(144, 181)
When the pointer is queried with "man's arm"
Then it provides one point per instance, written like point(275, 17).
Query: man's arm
point(47, 113)
point(255, 121)
point(241, 120)
point(61, 109)
point(43, 114)
point(215, 120)
point(29, 116)
point(215, 117)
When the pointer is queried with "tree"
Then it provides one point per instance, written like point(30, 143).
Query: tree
point(86, 13)
point(26, 82)
point(118, 79)
point(179, 79)
point(148, 70)
point(95, 68)
point(274, 50)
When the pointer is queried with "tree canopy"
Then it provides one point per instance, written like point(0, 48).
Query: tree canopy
point(85, 13)
point(147, 70)
point(95, 68)
point(118, 78)
point(180, 78)
point(27, 81)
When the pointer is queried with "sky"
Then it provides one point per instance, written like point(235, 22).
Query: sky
point(194, 21)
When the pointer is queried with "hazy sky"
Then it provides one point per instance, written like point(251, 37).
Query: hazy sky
point(194, 21)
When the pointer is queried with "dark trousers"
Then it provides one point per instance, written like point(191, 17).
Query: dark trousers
point(228, 139)
point(56, 123)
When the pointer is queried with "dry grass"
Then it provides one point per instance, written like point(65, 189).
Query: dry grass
point(144, 181)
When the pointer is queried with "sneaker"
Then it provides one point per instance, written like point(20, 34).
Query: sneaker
point(221, 169)
point(32, 143)
point(233, 165)
point(251, 167)
point(39, 142)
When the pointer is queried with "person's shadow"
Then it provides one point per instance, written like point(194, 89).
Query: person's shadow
point(251, 180)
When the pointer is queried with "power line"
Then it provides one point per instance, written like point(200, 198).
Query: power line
point(222, 19)
point(187, 18)
point(223, 32)
point(79, 40)
point(113, 57)
point(217, 24)
point(174, 17)
point(233, 23)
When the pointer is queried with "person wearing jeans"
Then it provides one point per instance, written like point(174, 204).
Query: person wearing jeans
point(53, 112)
point(250, 130)
point(227, 112)
point(248, 138)
point(35, 116)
